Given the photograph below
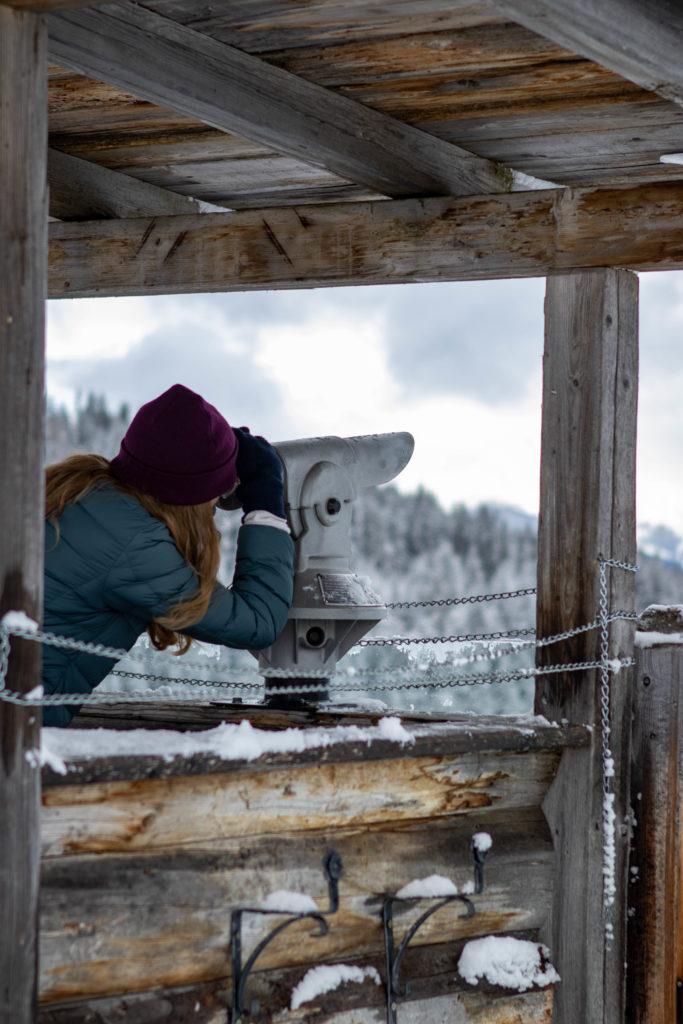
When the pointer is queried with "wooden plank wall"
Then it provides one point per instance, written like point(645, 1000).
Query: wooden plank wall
point(139, 877)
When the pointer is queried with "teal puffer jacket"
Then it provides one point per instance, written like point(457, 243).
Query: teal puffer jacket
point(114, 567)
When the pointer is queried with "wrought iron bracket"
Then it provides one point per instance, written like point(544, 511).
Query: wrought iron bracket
point(394, 956)
point(333, 869)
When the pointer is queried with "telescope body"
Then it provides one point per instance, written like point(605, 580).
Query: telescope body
point(333, 607)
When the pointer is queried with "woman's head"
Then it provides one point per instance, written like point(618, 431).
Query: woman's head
point(178, 449)
point(179, 454)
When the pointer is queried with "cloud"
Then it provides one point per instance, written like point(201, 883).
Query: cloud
point(481, 340)
point(459, 365)
point(214, 364)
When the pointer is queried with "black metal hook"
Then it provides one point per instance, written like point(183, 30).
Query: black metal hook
point(333, 869)
point(479, 856)
point(395, 956)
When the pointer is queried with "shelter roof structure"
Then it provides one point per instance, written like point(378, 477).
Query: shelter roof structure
point(568, 119)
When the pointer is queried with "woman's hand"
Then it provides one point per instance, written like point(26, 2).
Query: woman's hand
point(259, 471)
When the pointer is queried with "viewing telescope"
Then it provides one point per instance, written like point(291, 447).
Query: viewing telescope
point(333, 607)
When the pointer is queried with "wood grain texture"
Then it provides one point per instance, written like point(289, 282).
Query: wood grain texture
point(129, 922)
point(516, 235)
point(159, 60)
point(435, 995)
point(588, 509)
point(639, 41)
point(272, 24)
point(153, 813)
point(23, 258)
point(655, 893)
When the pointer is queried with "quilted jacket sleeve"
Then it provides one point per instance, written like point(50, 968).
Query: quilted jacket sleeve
point(151, 577)
point(252, 612)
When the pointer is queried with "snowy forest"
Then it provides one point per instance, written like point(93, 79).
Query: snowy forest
point(412, 550)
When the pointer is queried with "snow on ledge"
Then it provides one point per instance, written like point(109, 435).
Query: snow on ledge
point(326, 978)
point(228, 742)
point(507, 962)
point(656, 639)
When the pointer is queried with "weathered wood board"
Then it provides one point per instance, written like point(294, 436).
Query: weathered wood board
point(133, 922)
point(140, 876)
point(656, 889)
point(155, 813)
point(23, 257)
point(521, 234)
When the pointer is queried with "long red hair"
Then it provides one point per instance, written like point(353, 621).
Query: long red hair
point(192, 528)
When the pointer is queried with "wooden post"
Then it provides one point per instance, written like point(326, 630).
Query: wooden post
point(588, 509)
point(655, 936)
point(23, 263)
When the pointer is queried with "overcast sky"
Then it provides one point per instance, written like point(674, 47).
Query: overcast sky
point(457, 365)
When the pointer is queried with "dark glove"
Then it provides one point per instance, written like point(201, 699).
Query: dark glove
point(260, 474)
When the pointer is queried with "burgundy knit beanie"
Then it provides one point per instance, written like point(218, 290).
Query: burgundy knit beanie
point(179, 449)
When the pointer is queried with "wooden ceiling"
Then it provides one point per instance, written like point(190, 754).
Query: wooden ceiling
point(178, 108)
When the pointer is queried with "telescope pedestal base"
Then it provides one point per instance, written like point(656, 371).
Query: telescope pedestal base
point(295, 701)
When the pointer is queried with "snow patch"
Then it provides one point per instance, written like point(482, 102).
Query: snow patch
point(326, 978)
point(228, 741)
point(508, 962)
point(18, 620)
point(287, 902)
point(433, 885)
point(482, 842)
point(610, 850)
point(49, 755)
point(655, 639)
point(33, 757)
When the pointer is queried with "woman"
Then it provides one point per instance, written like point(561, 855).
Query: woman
point(131, 544)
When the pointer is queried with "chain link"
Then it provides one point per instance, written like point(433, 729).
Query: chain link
point(384, 641)
point(474, 599)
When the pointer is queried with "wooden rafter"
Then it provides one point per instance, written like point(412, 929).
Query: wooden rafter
point(45, 6)
point(186, 71)
point(82, 190)
point(520, 234)
point(639, 41)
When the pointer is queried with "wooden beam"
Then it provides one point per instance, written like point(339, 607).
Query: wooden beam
point(516, 235)
point(23, 207)
point(46, 6)
point(656, 891)
point(186, 71)
point(587, 509)
point(82, 190)
point(640, 41)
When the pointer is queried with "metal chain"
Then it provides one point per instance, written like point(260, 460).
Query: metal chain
point(609, 822)
point(135, 696)
point(436, 678)
point(475, 599)
point(384, 641)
